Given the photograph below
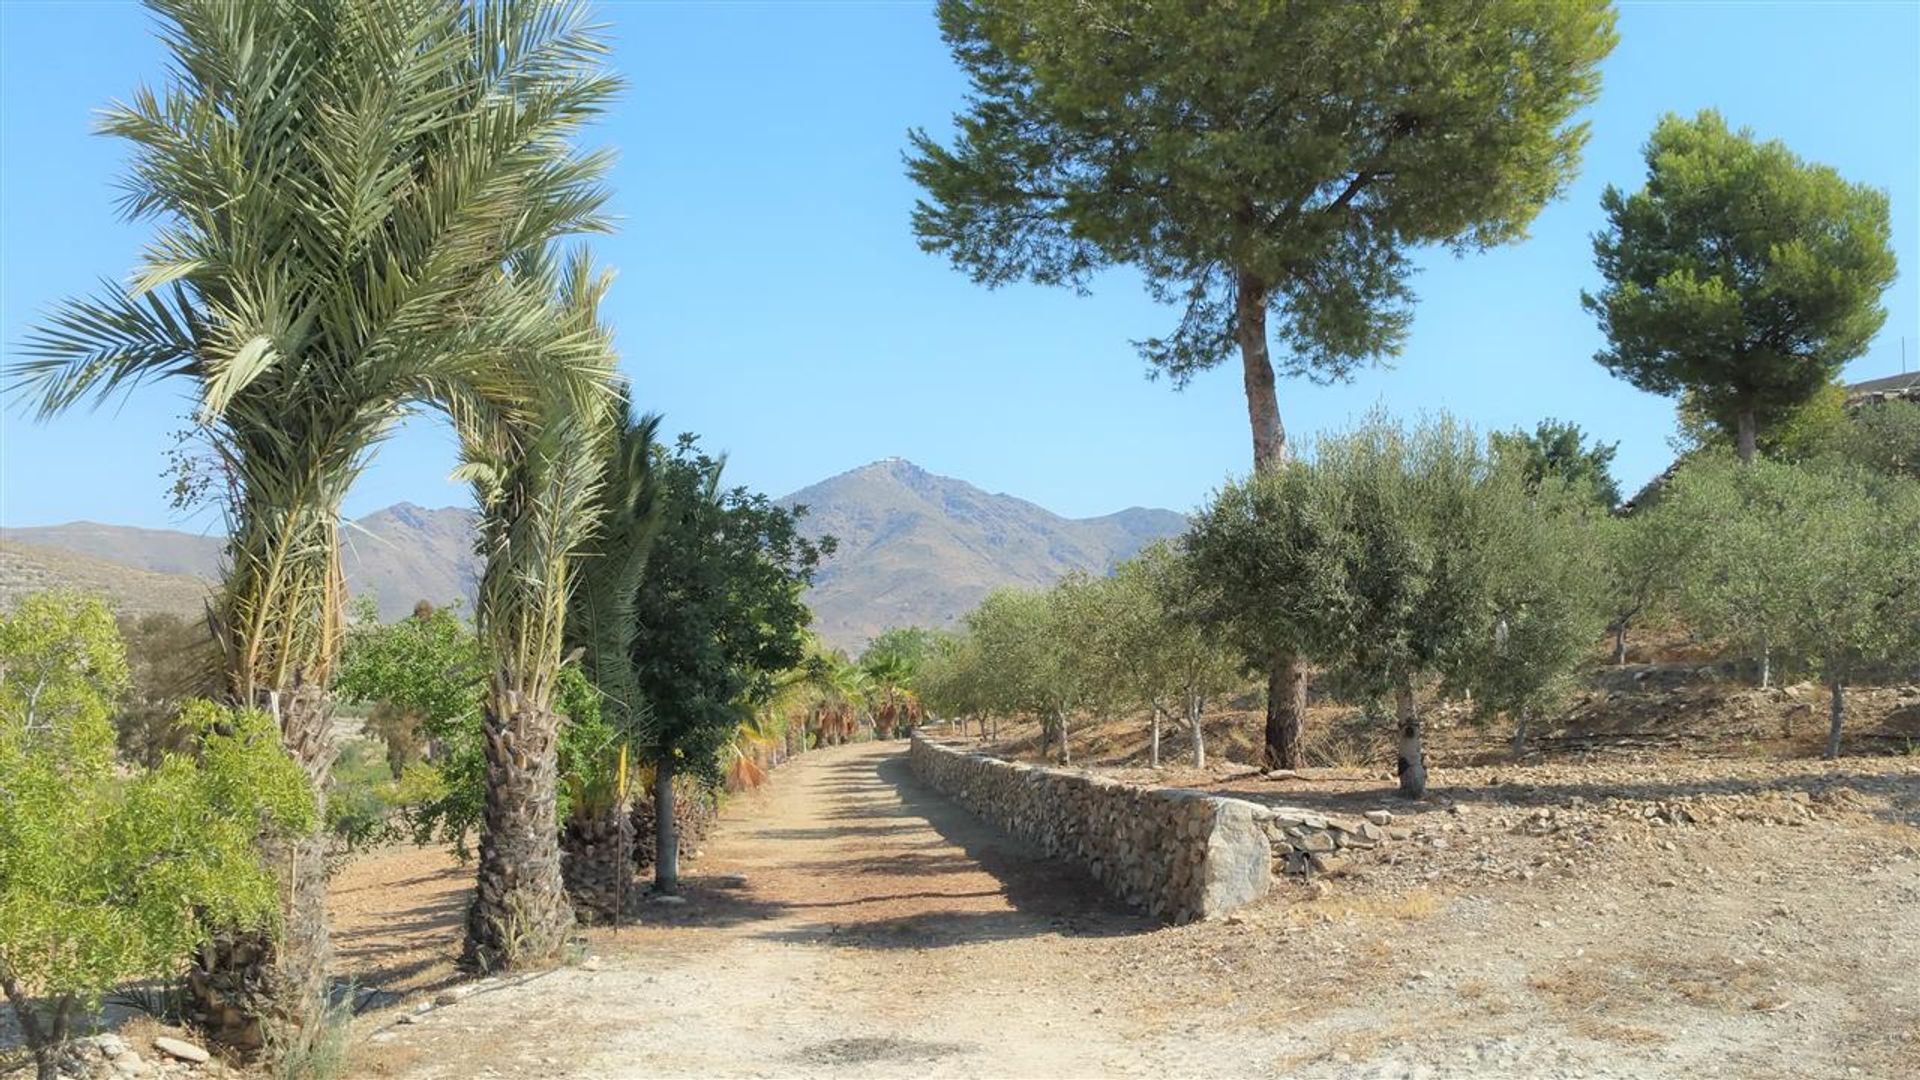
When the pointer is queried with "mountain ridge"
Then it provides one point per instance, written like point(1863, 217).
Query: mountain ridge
point(915, 548)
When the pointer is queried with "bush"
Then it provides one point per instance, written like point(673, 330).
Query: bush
point(108, 877)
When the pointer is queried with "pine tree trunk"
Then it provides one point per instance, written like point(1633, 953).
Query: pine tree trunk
point(1837, 716)
point(253, 990)
point(519, 913)
point(1748, 434)
point(666, 829)
point(1287, 679)
point(1413, 757)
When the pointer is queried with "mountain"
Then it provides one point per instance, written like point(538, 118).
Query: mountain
point(914, 549)
point(398, 556)
point(920, 549)
point(29, 568)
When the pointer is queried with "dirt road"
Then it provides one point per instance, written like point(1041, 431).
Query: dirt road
point(848, 922)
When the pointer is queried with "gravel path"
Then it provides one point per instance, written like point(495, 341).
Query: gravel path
point(847, 922)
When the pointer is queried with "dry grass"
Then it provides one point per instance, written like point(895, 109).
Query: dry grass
point(1414, 905)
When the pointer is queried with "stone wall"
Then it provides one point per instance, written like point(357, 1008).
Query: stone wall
point(1178, 854)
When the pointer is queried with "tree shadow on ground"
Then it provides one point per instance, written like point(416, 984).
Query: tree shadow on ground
point(1021, 893)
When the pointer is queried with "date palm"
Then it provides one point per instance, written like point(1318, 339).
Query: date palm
point(537, 459)
point(338, 184)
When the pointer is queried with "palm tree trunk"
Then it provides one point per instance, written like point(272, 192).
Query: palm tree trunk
point(666, 829)
point(253, 990)
point(519, 912)
point(597, 863)
point(1413, 757)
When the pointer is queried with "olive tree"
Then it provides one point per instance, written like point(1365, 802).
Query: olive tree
point(1162, 657)
point(1268, 168)
point(1835, 550)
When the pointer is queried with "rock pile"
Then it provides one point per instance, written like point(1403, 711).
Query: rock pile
point(110, 1057)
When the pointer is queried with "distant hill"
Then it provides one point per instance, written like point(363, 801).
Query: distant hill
point(28, 568)
point(921, 549)
point(399, 555)
point(915, 549)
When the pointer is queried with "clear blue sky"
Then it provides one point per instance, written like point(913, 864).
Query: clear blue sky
point(771, 296)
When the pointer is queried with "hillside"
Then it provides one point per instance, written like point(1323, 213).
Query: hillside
point(28, 568)
point(921, 549)
point(398, 555)
point(915, 549)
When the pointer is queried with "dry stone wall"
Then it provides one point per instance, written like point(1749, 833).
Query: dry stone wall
point(1179, 854)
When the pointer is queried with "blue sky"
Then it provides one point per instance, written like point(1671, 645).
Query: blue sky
point(771, 297)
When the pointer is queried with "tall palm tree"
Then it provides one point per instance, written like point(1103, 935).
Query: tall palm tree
point(537, 460)
point(338, 184)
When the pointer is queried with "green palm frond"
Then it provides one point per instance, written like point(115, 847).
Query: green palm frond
point(337, 186)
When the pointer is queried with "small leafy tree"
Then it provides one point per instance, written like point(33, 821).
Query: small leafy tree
point(1162, 657)
point(1034, 662)
point(1734, 585)
point(719, 616)
point(1740, 274)
point(1834, 549)
point(107, 877)
point(1557, 452)
point(1544, 589)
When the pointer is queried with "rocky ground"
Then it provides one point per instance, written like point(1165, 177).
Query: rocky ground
point(1591, 920)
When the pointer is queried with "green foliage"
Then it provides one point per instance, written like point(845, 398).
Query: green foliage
point(339, 189)
point(719, 613)
point(1282, 155)
point(1739, 274)
point(1557, 450)
point(1815, 566)
point(105, 876)
point(1398, 555)
point(427, 669)
point(1883, 436)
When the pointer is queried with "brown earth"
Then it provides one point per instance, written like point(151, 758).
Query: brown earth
point(1606, 918)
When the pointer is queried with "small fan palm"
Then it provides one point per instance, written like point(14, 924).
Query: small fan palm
point(339, 185)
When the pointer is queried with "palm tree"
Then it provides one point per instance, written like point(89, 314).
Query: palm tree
point(537, 459)
point(598, 840)
point(338, 185)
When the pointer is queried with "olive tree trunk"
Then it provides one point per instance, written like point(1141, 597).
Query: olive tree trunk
point(1199, 733)
point(519, 912)
point(1412, 767)
point(251, 990)
point(1619, 643)
point(666, 829)
point(44, 1026)
point(1153, 742)
point(1837, 715)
